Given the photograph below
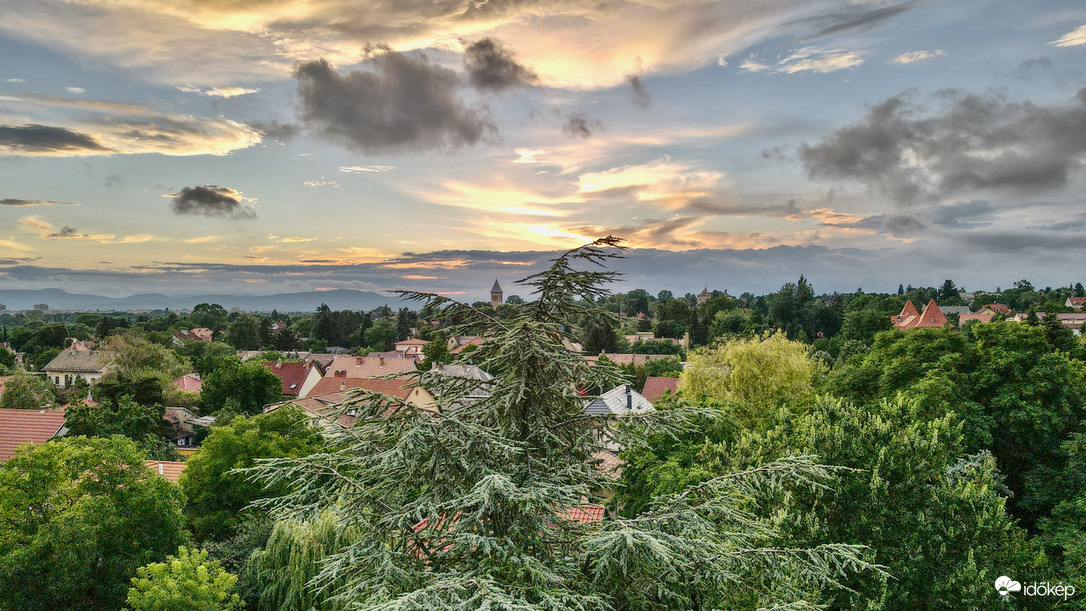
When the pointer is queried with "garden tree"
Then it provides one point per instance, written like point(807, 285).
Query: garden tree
point(293, 556)
point(245, 333)
point(863, 325)
point(637, 302)
point(655, 347)
point(205, 356)
point(285, 340)
point(1059, 337)
point(133, 355)
point(437, 351)
point(145, 388)
point(405, 320)
point(740, 321)
point(142, 424)
point(381, 336)
point(469, 505)
point(39, 360)
point(218, 498)
point(24, 391)
point(948, 291)
point(674, 318)
point(791, 309)
point(189, 581)
point(1063, 529)
point(598, 331)
point(78, 516)
point(514, 300)
point(208, 315)
point(758, 374)
point(7, 360)
point(249, 385)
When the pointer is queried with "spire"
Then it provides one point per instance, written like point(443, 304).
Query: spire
point(497, 287)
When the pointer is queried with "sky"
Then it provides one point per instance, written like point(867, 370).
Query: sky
point(259, 147)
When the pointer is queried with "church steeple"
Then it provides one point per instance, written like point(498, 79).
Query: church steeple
point(496, 294)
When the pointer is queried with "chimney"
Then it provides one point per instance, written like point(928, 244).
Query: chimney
point(381, 361)
point(342, 385)
point(160, 468)
point(279, 364)
point(340, 374)
point(629, 398)
point(358, 360)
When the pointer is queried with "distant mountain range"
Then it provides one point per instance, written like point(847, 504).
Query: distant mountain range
point(340, 299)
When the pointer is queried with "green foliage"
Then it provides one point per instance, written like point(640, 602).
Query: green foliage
point(381, 336)
point(24, 391)
point(437, 351)
point(249, 386)
point(77, 518)
point(205, 356)
point(757, 374)
point(218, 497)
point(124, 417)
point(144, 388)
point(466, 504)
point(188, 581)
point(134, 356)
point(245, 333)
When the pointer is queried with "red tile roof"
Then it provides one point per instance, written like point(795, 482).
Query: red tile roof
point(586, 514)
point(910, 319)
point(187, 383)
point(323, 406)
point(292, 375)
point(171, 470)
point(412, 342)
point(655, 387)
point(982, 316)
point(369, 366)
point(19, 426)
point(1076, 301)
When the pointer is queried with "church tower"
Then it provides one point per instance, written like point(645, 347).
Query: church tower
point(496, 295)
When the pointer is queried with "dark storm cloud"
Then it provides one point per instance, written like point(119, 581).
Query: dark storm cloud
point(1029, 67)
point(854, 17)
point(275, 130)
point(975, 142)
point(576, 126)
point(33, 202)
point(1014, 240)
point(491, 67)
point(404, 104)
point(640, 95)
point(962, 215)
point(211, 201)
point(44, 139)
point(902, 225)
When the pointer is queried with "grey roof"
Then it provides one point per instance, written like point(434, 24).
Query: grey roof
point(955, 309)
point(78, 361)
point(497, 288)
point(615, 401)
point(473, 372)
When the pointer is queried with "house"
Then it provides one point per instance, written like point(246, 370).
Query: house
point(470, 372)
point(394, 387)
point(297, 378)
point(619, 401)
point(1076, 303)
point(984, 315)
point(411, 347)
point(278, 327)
point(656, 387)
point(184, 423)
point(188, 383)
point(70, 365)
point(201, 334)
point(704, 296)
point(623, 358)
point(998, 308)
point(19, 426)
point(1075, 321)
point(370, 366)
point(169, 469)
point(323, 411)
point(909, 318)
point(462, 342)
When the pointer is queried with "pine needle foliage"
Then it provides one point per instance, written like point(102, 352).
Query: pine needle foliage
point(470, 503)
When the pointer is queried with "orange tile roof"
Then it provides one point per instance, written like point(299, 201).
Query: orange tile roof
point(585, 514)
point(171, 470)
point(1077, 301)
point(369, 366)
point(187, 383)
point(395, 387)
point(932, 317)
point(609, 463)
point(982, 316)
point(655, 387)
point(19, 426)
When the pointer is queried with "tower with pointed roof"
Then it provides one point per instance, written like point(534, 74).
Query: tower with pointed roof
point(496, 294)
point(704, 296)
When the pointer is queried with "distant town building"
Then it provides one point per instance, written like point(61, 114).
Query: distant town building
point(704, 296)
point(3, 308)
point(41, 307)
point(909, 318)
point(496, 294)
point(1076, 303)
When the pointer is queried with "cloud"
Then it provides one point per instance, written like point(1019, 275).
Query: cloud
point(854, 16)
point(212, 201)
point(33, 202)
point(110, 128)
point(1028, 67)
point(808, 59)
point(369, 169)
point(219, 92)
point(576, 126)
point(36, 139)
point(916, 56)
point(974, 142)
point(46, 231)
point(75, 90)
point(640, 95)
point(491, 67)
point(275, 130)
point(403, 104)
point(1072, 39)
